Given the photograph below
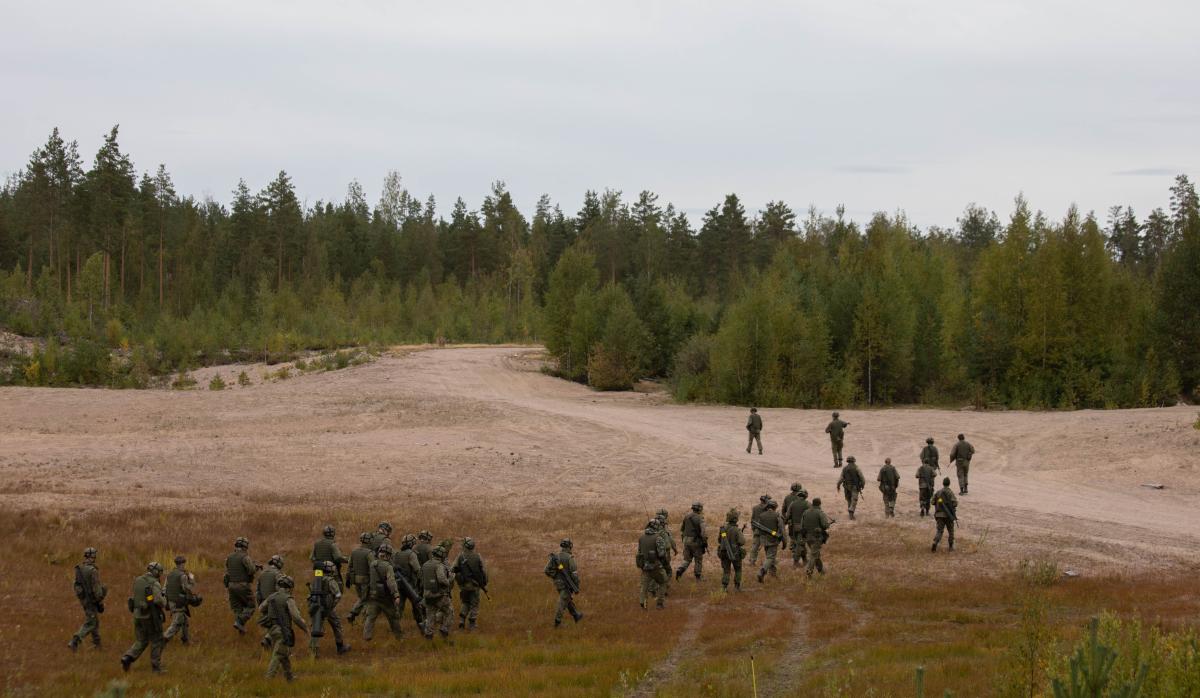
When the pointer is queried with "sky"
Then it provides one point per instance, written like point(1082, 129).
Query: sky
point(917, 106)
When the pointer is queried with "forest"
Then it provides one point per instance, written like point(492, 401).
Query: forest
point(123, 279)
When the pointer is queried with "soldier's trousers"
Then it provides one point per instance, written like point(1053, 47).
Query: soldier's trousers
point(835, 445)
point(962, 466)
point(948, 526)
point(566, 602)
point(417, 611)
point(889, 502)
point(654, 581)
point(360, 589)
point(755, 544)
point(926, 495)
point(693, 550)
point(335, 624)
point(814, 556)
point(439, 612)
point(727, 566)
point(147, 633)
point(281, 654)
point(799, 552)
point(468, 600)
point(241, 601)
point(179, 625)
point(91, 625)
point(770, 550)
point(851, 499)
point(386, 608)
point(754, 437)
point(667, 576)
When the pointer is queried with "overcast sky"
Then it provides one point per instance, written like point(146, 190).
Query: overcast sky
point(921, 106)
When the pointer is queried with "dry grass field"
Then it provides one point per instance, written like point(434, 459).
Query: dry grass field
point(477, 442)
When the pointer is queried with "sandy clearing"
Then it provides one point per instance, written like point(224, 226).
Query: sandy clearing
point(485, 425)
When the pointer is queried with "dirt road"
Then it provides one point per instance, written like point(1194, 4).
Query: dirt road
point(484, 426)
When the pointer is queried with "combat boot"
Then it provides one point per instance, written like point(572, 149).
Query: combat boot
point(725, 588)
point(471, 624)
point(933, 548)
point(737, 586)
point(126, 660)
point(157, 669)
point(761, 574)
point(951, 545)
point(73, 645)
point(660, 604)
point(462, 622)
point(343, 648)
point(678, 574)
point(577, 616)
point(237, 625)
point(557, 622)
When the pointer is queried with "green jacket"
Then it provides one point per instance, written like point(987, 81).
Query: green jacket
point(888, 478)
point(793, 512)
point(814, 524)
point(360, 564)
point(179, 587)
point(383, 582)
point(469, 571)
point(945, 504)
point(424, 551)
point(565, 562)
point(378, 538)
point(754, 423)
point(652, 551)
point(962, 452)
point(737, 541)
point(435, 578)
point(147, 593)
point(239, 568)
point(408, 565)
point(88, 580)
point(852, 477)
point(925, 476)
point(266, 581)
point(836, 429)
point(326, 550)
point(929, 456)
point(693, 526)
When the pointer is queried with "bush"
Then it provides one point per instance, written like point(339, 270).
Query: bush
point(216, 383)
point(607, 371)
point(1040, 573)
point(183, 381)
point(283, 373)
point(243, 379)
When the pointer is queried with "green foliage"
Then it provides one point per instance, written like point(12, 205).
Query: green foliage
point(1040, 572)
point(1092, 672)
point(243, 379)
point(217, 383)
point(183, 381)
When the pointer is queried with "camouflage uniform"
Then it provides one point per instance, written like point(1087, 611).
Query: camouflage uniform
point(239, 576)
point(359, 574)
point(381, 536)
point(837, 432)
point(562, 567)
point(925, 477)
point(794, 506)
point(961, 456)
point(756, 536)
point(326, 550)
point(695, 541)
point(946, 513)
point(665, 533)
point(814, 526)
point(324, 593)
point(383, 595)
point(889, 481)
point(179, 601)
point(149, 612)
point(279, 613)
point(436, 585)
point(408, 566)
point(851, 483)
point(731, 549)
point(929, 454)
point(772, 539)
point(90, 593)
point(471, 577)
point(267, 585)
point(754, 426)
point(424, 547)
point(651, 559)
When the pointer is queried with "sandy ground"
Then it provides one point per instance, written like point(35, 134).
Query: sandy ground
point(482, 427)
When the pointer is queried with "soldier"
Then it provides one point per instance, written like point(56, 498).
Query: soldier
point(695, 540)
point(851, 483)
point(961, 456)
point(755, 535)
point(471, 577)
point(754, 426)
point(267, 582)
point(148, 605)
point(239, 576)
point(279, 613)
point(837, 431)
point(424, 547)
point(382, 536)
point(889, 481)
point(672, 549)
point(946, 514)
point(771, 520)
point(794, 506)
point(436, 585)
point(90, 593)
point(562, 569)
point(651, 559)
point(731, 550)
point(180, 600)
point(324, 593)
point(408, 567)
point(814, 526)
point(326, 550)
point(925, 477)
point(929, 455)
point(360, 574)
point(383, 595)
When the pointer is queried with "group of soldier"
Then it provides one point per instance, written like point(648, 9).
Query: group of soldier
point(383, 579)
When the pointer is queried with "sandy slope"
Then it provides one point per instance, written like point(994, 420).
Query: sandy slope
point(482, 426)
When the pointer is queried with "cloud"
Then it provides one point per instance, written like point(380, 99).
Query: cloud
point(1149, 172)
point(872, 169)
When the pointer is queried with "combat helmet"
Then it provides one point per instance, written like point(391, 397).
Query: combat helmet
point(469, 543)
point(329, 531)
point(365, 537)
point(242, 542)
point(566, 544)
point(384, 549)
point(929, 440)
point(155, 568)
point(276, 561)
point(850, 459)
point(425, 535)
point(180, 560)
point(90, 553)
point(408, 541)
point(732, 516)
point(439, 552)
point(697, 506)
point(796, 487)
point(285, 582)
point(385, 526)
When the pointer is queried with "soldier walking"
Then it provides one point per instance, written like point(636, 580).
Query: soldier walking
point(925, 478)
point(424, 547)
point(889, 482)
point(381, 536)
point(756, 536)
point(814, 526)
point(837, 431)
point(180, 600)
point(660, 519)
point(324, 593)
point(148, 605)
point(731, 550)
point(360, 574)
point(651, 559)
point(90, 593)
point(268, 584)
point(961, 456)
point(472, 579)
point(239, 576)
point(945, 513)
point(326, 550)
point(929, 455)
point(565, 572)
point(754, 426)
point(851, 483)
point(279, 613)
point(695, 540)
point(436, 583)
point(383, 595)
point(794, 506)
point(408, 566)
point(770, 524)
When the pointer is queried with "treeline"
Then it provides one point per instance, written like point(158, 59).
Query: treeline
point(762, 308)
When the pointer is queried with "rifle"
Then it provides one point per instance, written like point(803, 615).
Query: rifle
point(727, 546)
point(316, 603)
point(759, 527)
point(563, 574)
